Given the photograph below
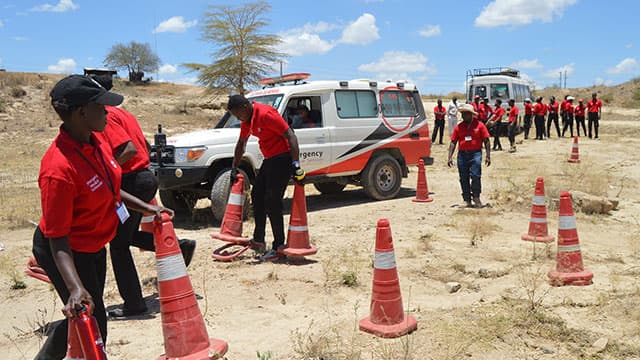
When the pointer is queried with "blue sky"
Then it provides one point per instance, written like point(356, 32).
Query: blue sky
point(430, 43)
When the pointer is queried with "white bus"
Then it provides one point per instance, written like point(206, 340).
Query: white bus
point(498, 83)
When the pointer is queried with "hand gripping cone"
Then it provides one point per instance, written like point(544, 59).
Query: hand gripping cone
point(422, 190)
point(35, 271)
point(569, 269)
point(298, 245)
point(74, 349)
point(146, 222)
point(387, 318)
point(231, 227)
point(538, 229)
point(185, 335)
point(575, 154)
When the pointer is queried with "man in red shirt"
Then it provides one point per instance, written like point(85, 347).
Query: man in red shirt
point(471, 134)
point(540, 110)
point(553, 116)
point(439, 112)
point(594, 106)
point(513, 124)
point(569, 116)
point(496, 126)
point(528, 112)
point(488, 111)
point(563, 110)
point(579, 113)
point(279, 146)
point(478, 108)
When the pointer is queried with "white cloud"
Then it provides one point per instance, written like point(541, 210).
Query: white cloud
point(626, 66)
point(20, 38)
point(174, 24)
point(527, 64)
point(63, 66)
point(629, 45)
point(167, 69)
point(61, 6)
point(555, 73)
point(361, 31)
point(600, 81)
point(303, 43)
point(398, 65)
point(430, 30)
point(521, 12)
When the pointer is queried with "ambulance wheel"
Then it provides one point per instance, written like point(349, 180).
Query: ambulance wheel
point(332, 187)
point(220, 194)
point(382, 177)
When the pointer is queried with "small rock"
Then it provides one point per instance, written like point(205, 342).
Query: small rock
point(484, 273)
point(546, 350)
point(519, 200)
point(452, 287)
point(600, 345)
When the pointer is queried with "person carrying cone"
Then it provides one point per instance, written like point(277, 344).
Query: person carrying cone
point(279, 146)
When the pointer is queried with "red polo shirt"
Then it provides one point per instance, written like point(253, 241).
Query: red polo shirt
point(563, 105)
point(594, 106)
point(498, 114)
point(488, 111)
point(540, 109)
point(553, 108)
point(476, 131)
point(79, 187)
point(269, 127)
point(513, 114)
point(439, 112)
point(569, 108)
point(528, 109)
point(580, 110)
point(121, 128)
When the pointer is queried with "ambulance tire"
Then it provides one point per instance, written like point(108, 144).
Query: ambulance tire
point(220, 194)
point(382, 177)
point(332, 187)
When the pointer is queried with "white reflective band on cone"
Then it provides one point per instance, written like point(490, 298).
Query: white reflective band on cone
point(171, 268)
point(568, 248)
point(567, 223)
point(235, 199)
point(384, 260)
point(147, 219)
point(298, 228)
point(538, 200)
point(538, 220)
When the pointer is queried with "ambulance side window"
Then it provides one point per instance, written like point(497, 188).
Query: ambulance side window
point(356, 103)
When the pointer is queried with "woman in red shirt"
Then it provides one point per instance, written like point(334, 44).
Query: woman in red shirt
point(82, 205)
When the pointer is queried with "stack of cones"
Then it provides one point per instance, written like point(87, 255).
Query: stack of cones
point(387, 318)
point(575, 154)
point(538, 229)
point(422, 189)
point(298, 245)
point(231, 227)
point(569, 268)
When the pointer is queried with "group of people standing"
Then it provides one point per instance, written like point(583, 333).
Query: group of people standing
point(568, 113)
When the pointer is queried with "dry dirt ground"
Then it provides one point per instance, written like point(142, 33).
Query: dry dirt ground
point(504, 310)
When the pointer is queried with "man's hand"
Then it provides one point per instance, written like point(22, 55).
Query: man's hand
point(234, 175)
point(450, 163)
point(157, 210)
point(488, 161)
point(77, 298)
point(298, 173)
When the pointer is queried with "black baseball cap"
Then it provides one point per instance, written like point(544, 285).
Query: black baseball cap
point(76, 90)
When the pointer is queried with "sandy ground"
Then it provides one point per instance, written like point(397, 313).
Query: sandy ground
point(310, 310)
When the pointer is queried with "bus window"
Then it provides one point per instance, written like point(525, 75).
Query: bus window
point(500, 91)
point(480, 91)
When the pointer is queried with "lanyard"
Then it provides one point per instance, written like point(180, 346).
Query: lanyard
point(104, 167)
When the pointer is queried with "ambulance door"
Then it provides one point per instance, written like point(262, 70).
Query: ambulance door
point(307, 119)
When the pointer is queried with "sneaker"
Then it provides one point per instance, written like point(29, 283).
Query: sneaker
point(122, 313)
point(188, 247)
point(271, 255)
point(477, 202)
point(468, 204)
point(257, 246)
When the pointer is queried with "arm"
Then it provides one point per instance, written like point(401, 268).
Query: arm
point(452, 148)
point(293, 144)
point(238, 152)
point(125, 152)
point(487, 148)
point(138, 205)
point(63, 258)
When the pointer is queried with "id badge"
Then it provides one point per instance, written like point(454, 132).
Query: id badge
point(467, 138)
point(123, 213)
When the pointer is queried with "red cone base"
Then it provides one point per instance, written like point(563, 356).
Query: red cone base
point(389, 331)
point(217, 349)
point(581, 278)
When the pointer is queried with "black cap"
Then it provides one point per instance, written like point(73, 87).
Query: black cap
point(75, 90)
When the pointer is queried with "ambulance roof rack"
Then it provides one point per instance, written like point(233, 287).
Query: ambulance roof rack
point(494, 71)
point(296, 78)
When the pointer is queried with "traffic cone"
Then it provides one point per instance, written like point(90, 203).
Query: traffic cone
point(575, 155)
point(35, 271)
point(74, 349)
point(422, 190)
point(387, 318)
point(569, 269)
point(146, 222)
point(298, 245)
point(231, 227)
point(185, 335)
point(538, 229)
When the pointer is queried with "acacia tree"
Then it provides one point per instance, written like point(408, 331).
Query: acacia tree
point(135, 57)
point(243, 54)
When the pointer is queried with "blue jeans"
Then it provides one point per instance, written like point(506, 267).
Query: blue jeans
point(470, 170)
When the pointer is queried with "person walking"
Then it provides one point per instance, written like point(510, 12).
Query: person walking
point(472, 135)
point(82, 204)
point(131, 150)
point(553, 117)
point(540, 110)
point(569, 116)
point(513, 124)
point(452, 114)
point(439, 112)
point(594, 106)
point(579, 113)
point(528, 112)
point(279, 146)
point(496, 127)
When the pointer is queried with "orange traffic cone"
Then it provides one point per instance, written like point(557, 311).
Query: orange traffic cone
point(569, 269)
point(422, 190)
point(298, 245)
point(538, 229)
point(387, 318)
point(231, 227)
point(74, 349)
point(146, 222)
point(575, 155)
point(35, 271)
point(185, 335)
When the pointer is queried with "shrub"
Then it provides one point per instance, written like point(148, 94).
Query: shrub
point(18, 92)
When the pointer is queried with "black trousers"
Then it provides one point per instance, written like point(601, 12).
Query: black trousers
point(143, 184)
point(496, 135)
point(580, 121)
point(91, 268)
point(593, 122)
point(568, 123)
point(527, 125)
point(511, 132)
point(553, 117)
point(539, 119)
point(267, 193)
point(439, 125)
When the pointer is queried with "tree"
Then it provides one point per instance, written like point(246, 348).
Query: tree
point(243, 54)
point(135, 57)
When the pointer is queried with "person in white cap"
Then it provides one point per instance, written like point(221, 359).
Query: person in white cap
point(452, 114)
point(471, 134)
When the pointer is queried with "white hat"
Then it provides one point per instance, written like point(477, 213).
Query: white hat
point(570, 98)
point(527, 100)
point(467, 108)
